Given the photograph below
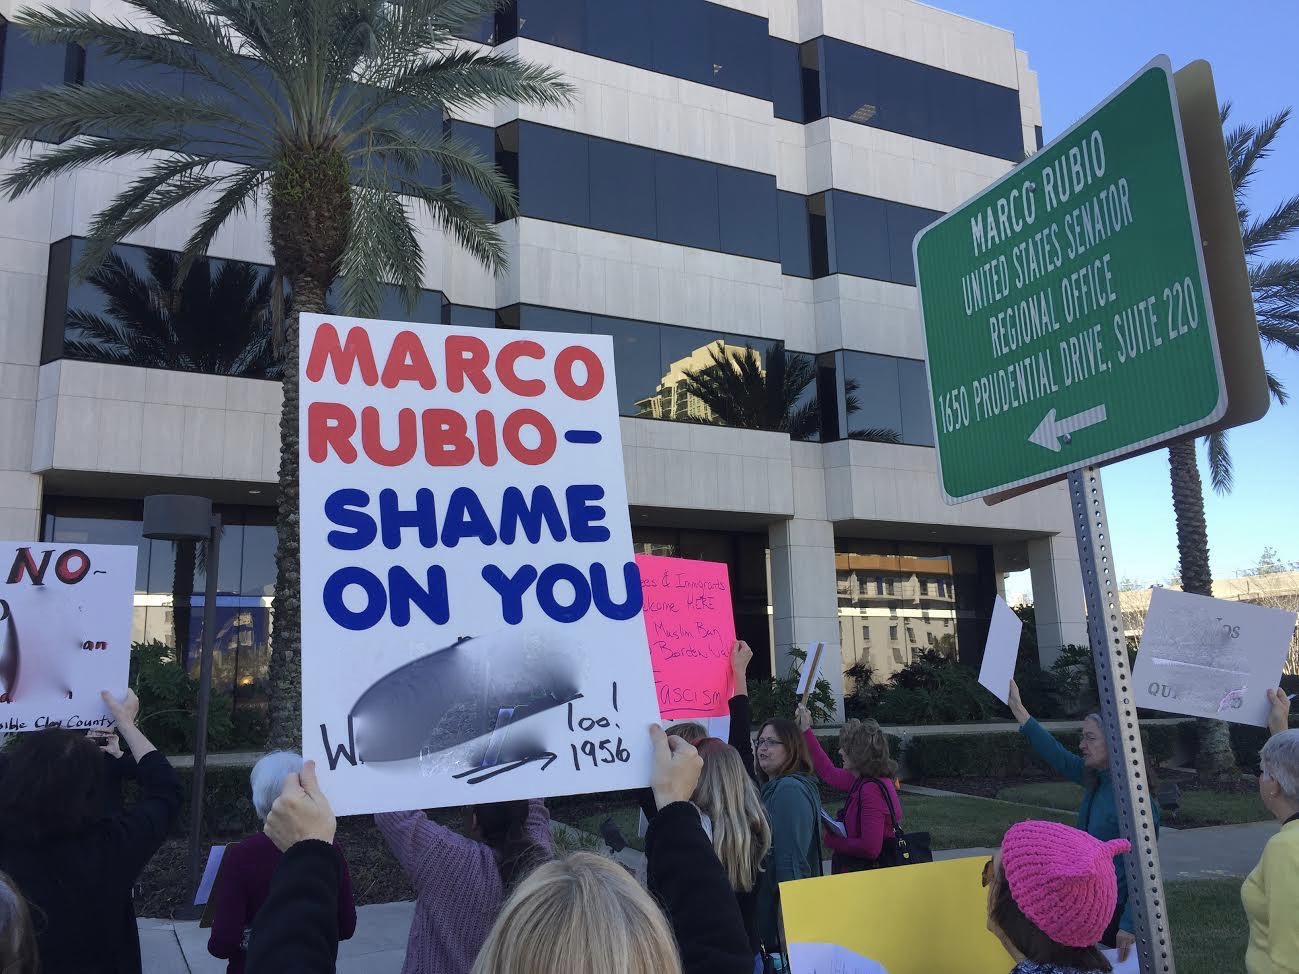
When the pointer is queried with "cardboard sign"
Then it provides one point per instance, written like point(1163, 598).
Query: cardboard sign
point(691, 631)
point(1208, 657)
point(65, 632)
point(471, 611)
point(1001, 651)
point(826, 935)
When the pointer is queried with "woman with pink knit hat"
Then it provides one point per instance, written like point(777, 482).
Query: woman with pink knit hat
point(1051, 894)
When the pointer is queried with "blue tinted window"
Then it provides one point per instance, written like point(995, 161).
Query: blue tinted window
point(622, 188)
point(679, 32)
point(874, 410)
point(558, 22)
point(858, 231)
point(740, 57)
point(913, 390)
point(637, 358)
point(535, 318)
point(795, 252)
point(553, 175)
point(467, 316)
point(1037, 135)
point(749, 221)
point(25, 65)
point(620, 31)
point(786, 80)
point(687, 201)
point(483, 139)
point(1001, 125)
point(904, 223)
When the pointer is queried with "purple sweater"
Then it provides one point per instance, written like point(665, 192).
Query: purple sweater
point(458, 891)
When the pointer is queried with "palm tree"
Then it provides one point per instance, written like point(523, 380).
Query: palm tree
point(324, 109)
point(1275, 283)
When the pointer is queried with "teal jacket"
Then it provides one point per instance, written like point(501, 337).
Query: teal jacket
point(793, 804)
point(1098, 814)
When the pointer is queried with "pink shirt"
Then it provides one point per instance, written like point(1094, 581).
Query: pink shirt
point(865, 818)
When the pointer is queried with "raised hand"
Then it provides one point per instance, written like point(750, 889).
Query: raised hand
point(677, 766)
point(1016, 704)
point(1278, 718)
point(803, 717)
point(301, 812)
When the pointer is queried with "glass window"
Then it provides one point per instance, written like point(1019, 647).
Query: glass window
point(468, 316)
point(795, 247)
point(1037, 135)
point(686, 351)
point(893, 632)
point(622, 188)
point(637, 358)
point(558, 22)
point(750, 222)
point(483, 139)
point(482, 30)
point(913, 389)
point(686, 191)
point(229, 560)
point(553, 175)
point(857, 227)
point(739, 53)
point(258, 572)
point(535, 318)
point(392, 305)
point(680, 41)
point(73, 528)
point(805, 409)
point(871, 393)
point(786, 80)
point(1000, 121)
point(25, 65)
point(904, 222)
point(620, 31)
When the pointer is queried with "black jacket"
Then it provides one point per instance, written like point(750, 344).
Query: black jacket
point(739, 738)
point(80, 885)
point(690, 884)
point(296, 930)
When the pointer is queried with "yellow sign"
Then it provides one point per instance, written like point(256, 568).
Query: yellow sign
point(904, 920)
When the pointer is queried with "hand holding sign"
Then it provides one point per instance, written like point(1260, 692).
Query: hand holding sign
point(1278, 718)
point(301, 812)
point(677, 766)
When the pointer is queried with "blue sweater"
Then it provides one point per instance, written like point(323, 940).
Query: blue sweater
point(1098, 814)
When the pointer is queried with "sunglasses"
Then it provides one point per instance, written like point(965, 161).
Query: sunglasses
point(770, 742)
point(989, 874)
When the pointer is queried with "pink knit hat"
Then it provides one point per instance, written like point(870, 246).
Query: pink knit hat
point(1062, 879)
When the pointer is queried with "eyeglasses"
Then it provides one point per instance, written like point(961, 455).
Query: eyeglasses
point(770, 742)
point(988, 873)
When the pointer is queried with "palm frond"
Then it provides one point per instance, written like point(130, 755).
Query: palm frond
point(1277, 388)
point(240, 189)
point(455, 157)
point(1220, 467)
point(467, 79)
point(50, 25)
point(382, 247)
point(1273, 228)
point(85, 151)
point(471, 230)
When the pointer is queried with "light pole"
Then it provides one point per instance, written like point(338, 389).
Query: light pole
point(181, 517)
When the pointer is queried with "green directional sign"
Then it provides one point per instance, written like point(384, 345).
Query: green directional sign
point(1066, 312)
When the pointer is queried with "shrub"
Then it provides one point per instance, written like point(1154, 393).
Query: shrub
point(776, 697)
point(169, 702)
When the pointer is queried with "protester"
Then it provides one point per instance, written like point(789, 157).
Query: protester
point(1271, 892)
point(120, 765)
point(460, 883)
point(793, 803)
point(246, 869)
point(578, 915)
point(1051, 894)
point(1098, 815)
point(867, 776)
point(17, 940)
point(740, 832)
point(75, 864)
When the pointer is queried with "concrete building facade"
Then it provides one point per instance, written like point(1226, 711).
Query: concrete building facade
point(740, 176)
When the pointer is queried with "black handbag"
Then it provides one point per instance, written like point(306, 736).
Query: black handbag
point(903, 848)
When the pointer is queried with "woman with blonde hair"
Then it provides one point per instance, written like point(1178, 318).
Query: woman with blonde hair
point(741, 833)
point(873, 809)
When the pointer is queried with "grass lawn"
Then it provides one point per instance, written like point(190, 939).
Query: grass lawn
point(1209, 928)
point(962, 823)
point(626, 817)
point(1200, 807)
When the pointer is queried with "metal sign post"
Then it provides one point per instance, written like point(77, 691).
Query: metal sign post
point(1132, 792)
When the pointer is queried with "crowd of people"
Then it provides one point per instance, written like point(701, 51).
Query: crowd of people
point(728, 821)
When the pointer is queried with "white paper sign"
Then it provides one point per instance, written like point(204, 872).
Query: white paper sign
point(1001, 651)
point(65, 632)
point(830, 959)
point(471, 624)
point(1210, 658)
point(811, 665)
point(1130, 966)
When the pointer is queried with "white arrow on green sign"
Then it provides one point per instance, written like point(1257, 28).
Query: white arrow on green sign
point(1066, 312)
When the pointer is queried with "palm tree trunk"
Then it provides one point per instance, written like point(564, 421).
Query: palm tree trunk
point(286, 626)
point(182, 598)
point(1215, 754)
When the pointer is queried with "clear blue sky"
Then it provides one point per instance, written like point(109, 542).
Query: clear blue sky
point(1081, 52)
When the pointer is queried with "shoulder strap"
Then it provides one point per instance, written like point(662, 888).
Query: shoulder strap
point(888, 804)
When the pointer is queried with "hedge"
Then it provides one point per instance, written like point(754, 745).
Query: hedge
point(1006, 754)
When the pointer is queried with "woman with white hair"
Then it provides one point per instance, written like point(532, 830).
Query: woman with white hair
point(246, 869)
point(1271, 891)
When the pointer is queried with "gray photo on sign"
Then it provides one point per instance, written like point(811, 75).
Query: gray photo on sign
point(1208, 657)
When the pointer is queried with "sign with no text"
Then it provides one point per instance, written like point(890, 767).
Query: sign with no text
point(1066, 308)
point(65, 632)
point(691, 630)
point(471, 608)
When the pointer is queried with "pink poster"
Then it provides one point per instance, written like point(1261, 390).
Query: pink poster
point(691, 630)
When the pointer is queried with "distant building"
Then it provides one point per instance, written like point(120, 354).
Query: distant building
point(672, 400)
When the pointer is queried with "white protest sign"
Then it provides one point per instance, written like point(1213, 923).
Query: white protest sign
point(1002, 649)
point(65, 632)
point(471, 609)
point(807, 676)
point(1210, 658)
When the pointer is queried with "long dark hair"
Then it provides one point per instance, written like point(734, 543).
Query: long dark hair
point(54, 786)
point(502, 827)
point(1032, 942)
